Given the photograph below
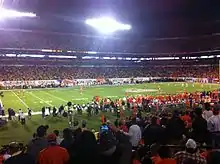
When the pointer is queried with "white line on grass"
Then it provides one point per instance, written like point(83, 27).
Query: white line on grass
point(55, 96)
point(20, 100)
point(80, 99)
point(40, 99)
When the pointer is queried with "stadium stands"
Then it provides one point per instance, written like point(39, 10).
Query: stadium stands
point(53, 73)
point(13, 38)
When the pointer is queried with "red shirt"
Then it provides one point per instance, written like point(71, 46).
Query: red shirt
point(187, 120)
point(156, 159)
point(167, 161)
point(1, 159)
point(124, 128)
point(53, 155)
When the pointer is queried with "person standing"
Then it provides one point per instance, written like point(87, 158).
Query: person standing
point(43, 112)
point(153, 133)
point(134, 133)
point(208, 112)
point(199, 127)
point(19, 114)
point(29, 113)
point(39, 143)
point(53, 153)
point(22, 117)
point(214, 126)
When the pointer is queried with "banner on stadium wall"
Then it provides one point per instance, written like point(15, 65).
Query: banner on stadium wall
point(29, 83)
point(69, 82)
point(143, 78)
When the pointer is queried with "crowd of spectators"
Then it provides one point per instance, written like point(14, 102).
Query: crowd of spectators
point(53, 73)
point(187, 137)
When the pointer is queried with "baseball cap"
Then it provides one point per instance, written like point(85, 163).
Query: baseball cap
point(51, 137)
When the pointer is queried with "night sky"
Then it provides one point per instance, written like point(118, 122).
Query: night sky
point(150, 18)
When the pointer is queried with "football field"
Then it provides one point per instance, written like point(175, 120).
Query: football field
point(35, 99)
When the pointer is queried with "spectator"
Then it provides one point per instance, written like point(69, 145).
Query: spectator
point(154, 153)
point(191, 153)
point(84, 125)
point(187, 120)
point(85, 149)
point(122, 126)
point(199, 126)
point(165, 155)
point(134, 133)
point(59, 140)
point(175, 128)
point(18, 156)
point(153, 133)
point(53, 154)
point(146, 160)
point(213, 157)
point(207, 113)
point(214, 126)
point(39, 143)
point(114, 148)
point(67, 139)
point(108, 148)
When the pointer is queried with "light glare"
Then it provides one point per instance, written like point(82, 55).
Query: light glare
point(6, 13)
point(107, 25)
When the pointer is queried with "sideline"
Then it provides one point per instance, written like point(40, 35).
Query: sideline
point(67, 88)
point(26, 114)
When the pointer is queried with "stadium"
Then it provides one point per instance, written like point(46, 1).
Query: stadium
point(60, 70)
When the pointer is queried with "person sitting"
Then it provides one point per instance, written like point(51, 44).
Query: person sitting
point(165, 155)
point(18, 155)
point(191, 152)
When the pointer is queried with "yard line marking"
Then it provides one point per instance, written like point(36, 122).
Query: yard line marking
point(80, 99)
point(55, 96)
point(20, 100)
point(41, 99)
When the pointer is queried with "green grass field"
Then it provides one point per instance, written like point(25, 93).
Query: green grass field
point(37, 98)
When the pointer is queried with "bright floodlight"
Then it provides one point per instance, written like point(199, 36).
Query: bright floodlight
point(5, 13)
point(107, 25)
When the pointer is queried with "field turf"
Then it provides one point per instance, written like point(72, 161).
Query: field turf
point(37, 98)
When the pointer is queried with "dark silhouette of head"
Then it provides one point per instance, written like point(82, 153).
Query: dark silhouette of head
point(164, 152)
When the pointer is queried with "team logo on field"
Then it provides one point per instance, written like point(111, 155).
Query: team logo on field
point(133, 90)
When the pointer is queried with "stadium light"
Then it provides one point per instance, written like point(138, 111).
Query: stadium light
point(6, 13)
point(107, 25)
